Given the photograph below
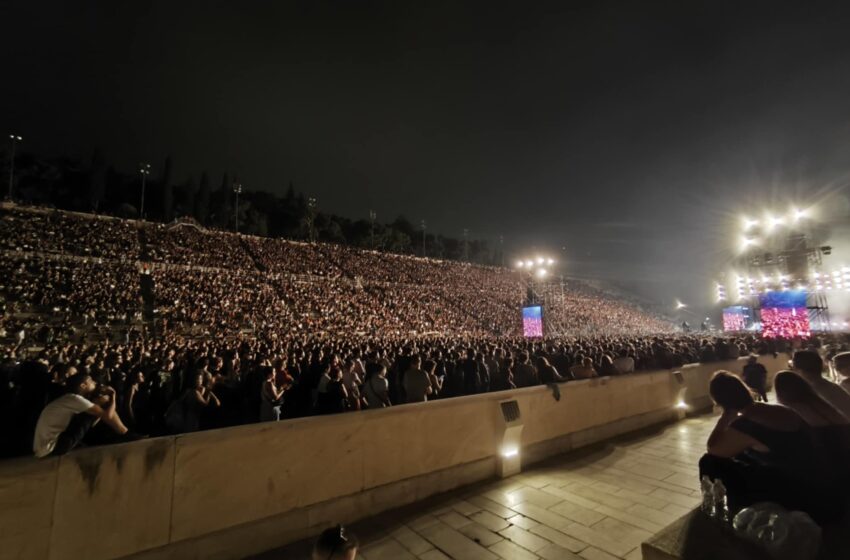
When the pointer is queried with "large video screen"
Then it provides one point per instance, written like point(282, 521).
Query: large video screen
point(532, 321)
point(737, 318)
point(784, 314)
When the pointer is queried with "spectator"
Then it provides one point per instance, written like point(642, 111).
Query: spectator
point(841, 364)
point(624, 363)
point(376, 388)
point(417, 383)
point(585, 370)
point(791, 470)
point(755, 376)
point(335, 544)
point(525, 374)
point(64, 423)
point(271, 396)
point(184, 414)
point(546, 372)
point(810, 365)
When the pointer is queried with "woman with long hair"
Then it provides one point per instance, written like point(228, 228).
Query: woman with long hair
point(765, 452)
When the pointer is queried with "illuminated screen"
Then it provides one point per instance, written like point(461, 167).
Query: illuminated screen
point(784, 314)
point(532, 321)
point(736, 318)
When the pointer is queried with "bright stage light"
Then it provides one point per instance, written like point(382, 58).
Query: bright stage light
point(550, 262)
point(520, 264)
point(749, 224)
point(541, 272)
point(747, 242)
point(798, 214)
point(680, 305)
point(540, 260)
point(529, 264)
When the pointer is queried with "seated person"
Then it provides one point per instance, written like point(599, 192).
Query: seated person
point(335, 544)
point(765, 452)
point(65, 421)
point(585, 370)
point(809, 364)
point(830, 427)
point(841, 364)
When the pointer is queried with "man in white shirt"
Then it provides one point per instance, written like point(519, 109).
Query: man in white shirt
point(65, 421)
point(417, 384)
point(624, 363)
point(810, 365)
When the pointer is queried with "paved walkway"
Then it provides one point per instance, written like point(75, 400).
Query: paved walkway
point(597, 505)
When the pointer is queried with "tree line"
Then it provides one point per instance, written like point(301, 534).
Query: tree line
point(97, 186)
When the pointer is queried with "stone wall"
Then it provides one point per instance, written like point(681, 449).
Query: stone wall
point(227, 493)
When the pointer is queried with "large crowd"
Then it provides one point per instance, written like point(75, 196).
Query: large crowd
point(234, 329)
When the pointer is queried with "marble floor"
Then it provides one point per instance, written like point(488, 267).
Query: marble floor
point(598, 504)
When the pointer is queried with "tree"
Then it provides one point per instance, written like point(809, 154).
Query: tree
point(220, 215)
point(202, 205)
point(97, 181)
point(167, 190)
point(189, 196)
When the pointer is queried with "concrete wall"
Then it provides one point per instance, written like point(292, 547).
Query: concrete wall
point(227, 493)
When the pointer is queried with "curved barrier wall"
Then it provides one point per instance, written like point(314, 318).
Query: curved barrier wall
point(237, 491)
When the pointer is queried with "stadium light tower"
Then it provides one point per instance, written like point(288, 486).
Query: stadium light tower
point(237, 190)
point(537, 267)
point(144, 171)
point(14, 139)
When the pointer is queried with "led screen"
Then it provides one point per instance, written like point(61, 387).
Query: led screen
point(784, 314)
point(532, 321)
point(736, 318)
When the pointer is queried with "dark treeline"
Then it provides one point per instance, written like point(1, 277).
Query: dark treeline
point(97, 186)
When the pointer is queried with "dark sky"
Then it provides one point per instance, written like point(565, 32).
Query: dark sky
point(628, 133)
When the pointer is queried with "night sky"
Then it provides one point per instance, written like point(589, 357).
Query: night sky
point(625, 139)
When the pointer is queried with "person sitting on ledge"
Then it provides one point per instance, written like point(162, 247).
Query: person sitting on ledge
point(65, 421)
point(831, 428)
point(767, 453)
point(841, 364)
point(335, 544)
point(809, 364)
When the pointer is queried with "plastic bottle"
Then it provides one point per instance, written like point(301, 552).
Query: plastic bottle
point(707, 488)
point(721, 506)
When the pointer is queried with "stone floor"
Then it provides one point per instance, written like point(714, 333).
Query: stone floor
point(598, 504)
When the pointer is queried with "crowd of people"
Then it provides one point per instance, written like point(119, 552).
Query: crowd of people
point(182, 329)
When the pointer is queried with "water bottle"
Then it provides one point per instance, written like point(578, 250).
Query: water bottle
point(707, 487)
point(721, 506)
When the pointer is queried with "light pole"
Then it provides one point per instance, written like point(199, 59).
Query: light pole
point(237, 190)
point(312, 203)
point(422, 223)
point(144, 171)
point(14, 138)
point(372, 217)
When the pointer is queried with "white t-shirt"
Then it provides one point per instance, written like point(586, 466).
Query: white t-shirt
point(625, 364)
point(373, 387)
point(54, 420)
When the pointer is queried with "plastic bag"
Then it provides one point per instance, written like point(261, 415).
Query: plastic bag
point(784, 535)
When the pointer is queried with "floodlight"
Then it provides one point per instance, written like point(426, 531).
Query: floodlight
point(550, 262)
point(520, 264)
point(541, 272)
point(680, 305)
point(798, 214)
point(748, 223)
point(540, 260)
point(748, 242)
